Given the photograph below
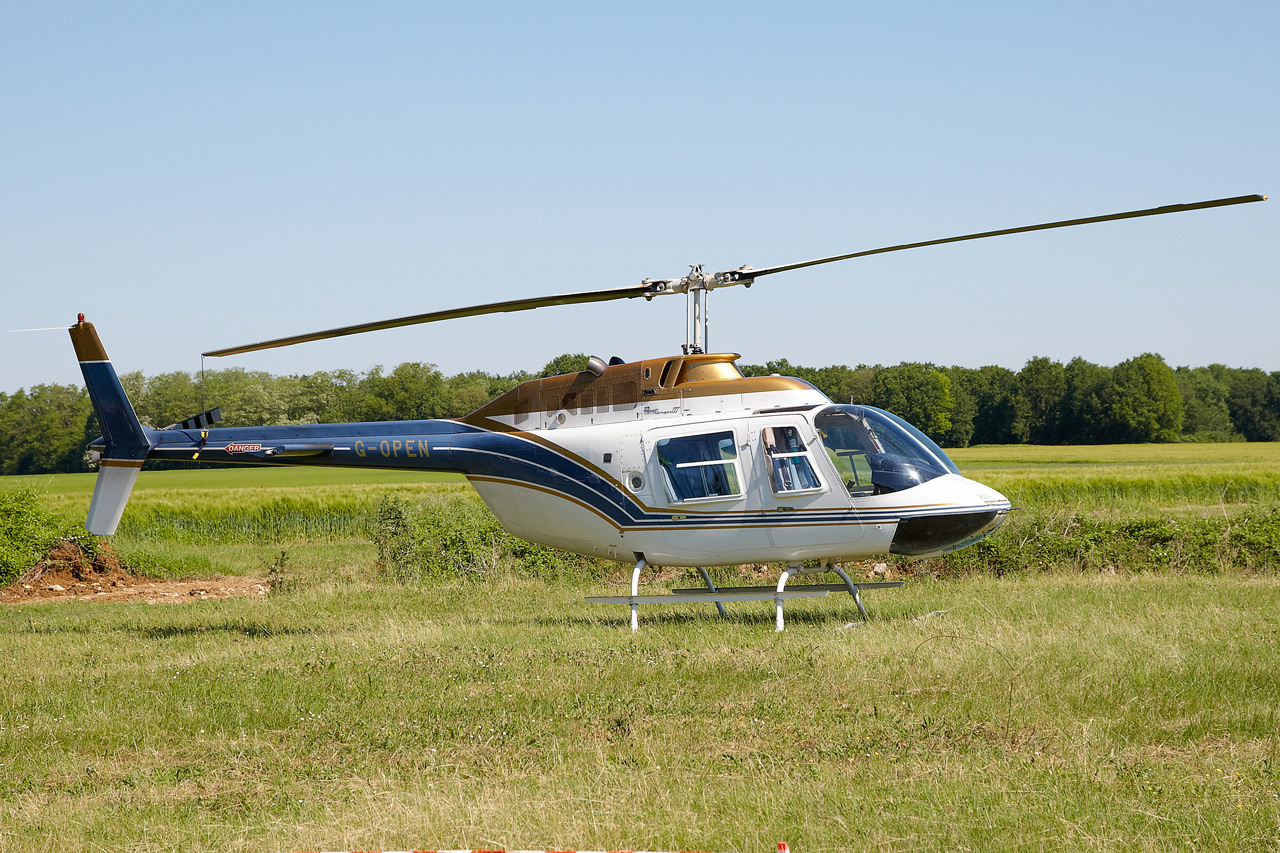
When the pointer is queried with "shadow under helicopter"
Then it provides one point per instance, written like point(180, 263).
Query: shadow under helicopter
point(684, 619)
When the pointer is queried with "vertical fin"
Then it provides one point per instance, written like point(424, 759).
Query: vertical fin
point(126, 441)
point(110, 494)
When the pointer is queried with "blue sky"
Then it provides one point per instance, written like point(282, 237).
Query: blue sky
point(194, 176)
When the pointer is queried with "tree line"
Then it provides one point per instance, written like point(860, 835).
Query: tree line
point(44, 429)
point(1141, 400)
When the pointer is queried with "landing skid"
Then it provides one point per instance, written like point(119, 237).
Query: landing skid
point(776, 594)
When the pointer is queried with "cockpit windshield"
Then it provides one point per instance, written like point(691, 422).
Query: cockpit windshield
point(877, 452)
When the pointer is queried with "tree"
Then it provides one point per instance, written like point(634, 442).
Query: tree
point(918, 393)
point(1254, 403)
point(845, 384)
point(45, 428)
point(494, 386)
point(1146, 405)
point(41, 430)
point(326, 397)
point(567, 363)
point(412, 391)
point(965, 409)
point(994, 390)
point(1205, 414)
point(1042, 384)
point(464, 397)
point(167, 399)
point(247, 398)
point(841, 383)
point(1087, 416)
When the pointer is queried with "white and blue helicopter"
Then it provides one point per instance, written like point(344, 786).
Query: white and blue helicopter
point(673, 461)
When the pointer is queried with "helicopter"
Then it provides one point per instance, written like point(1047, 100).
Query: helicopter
point(675, 461)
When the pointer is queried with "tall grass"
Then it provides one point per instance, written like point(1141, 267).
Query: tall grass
point(446, 531)
point(1246, 541)
point(269, 519)
point(1198, 508)
point(27, 532)
point(1173, 492)
point(449, 535)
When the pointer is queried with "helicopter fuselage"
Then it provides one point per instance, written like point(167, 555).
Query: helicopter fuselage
point(679, 461)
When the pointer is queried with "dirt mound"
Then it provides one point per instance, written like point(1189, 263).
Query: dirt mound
point(95, 573)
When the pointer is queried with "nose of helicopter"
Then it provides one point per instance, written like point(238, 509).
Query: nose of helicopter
point(975, 514)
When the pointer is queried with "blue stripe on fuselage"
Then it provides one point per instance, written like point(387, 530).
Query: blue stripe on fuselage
point(461, 448)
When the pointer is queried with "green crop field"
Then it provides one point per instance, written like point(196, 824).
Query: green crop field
point(1102, 674)
point(247, 477)
point(1124, 479)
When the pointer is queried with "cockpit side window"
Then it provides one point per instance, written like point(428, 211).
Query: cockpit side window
point(700, 467)
point(850, 448)
point(790, 466)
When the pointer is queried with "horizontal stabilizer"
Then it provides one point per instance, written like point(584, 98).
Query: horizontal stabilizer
point(200, 421)
point(110, 494)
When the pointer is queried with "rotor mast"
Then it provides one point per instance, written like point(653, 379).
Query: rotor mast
point(697, 287)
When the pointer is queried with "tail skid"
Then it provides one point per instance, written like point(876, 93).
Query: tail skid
point(126, 441)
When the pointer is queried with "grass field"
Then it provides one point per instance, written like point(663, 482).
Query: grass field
point(1125, 479)
point(1062, 708)
point(236, 521)
point(1058, 713)
point(247, 477)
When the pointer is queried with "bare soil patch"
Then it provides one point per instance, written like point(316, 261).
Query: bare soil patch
point(72, 573)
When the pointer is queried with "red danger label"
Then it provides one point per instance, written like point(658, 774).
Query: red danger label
point(242, 448)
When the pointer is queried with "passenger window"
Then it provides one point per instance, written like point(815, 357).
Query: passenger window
point(700, 466)
point(790, 466)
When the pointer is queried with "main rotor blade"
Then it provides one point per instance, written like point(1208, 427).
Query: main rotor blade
point(1132, 214)
point(431, 317)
